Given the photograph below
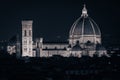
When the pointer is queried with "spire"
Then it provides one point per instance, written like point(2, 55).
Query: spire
point(84, 11)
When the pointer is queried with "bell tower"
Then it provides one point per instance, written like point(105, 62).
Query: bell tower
point(27, 38)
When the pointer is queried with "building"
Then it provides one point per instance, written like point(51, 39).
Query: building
point(84, 39)
point(27, 38)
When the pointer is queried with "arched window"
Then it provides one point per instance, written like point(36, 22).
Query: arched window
point(30, 33)
point(55, 47)
point(25, 33)
point(46, 47)
point(77, 42)
point(25, 42)
point(25, 49)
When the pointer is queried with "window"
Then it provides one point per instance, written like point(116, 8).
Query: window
point(29, 49)
point(25, 42)
point(55, 47)
point(25, 49)
point(46, 47)
point(25, 33)
point(30, 42)
point(30, 33)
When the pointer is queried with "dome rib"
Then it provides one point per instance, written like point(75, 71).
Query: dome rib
point(82, 28)
point(93, 30)
point(73, 26)
point(99, 32)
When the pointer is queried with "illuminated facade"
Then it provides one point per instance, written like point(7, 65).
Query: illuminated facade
point(27, 38)
point(84, 39)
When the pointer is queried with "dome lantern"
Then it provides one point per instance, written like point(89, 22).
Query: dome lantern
point(84, 12)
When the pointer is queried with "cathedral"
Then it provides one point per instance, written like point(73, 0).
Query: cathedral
point(84, 40)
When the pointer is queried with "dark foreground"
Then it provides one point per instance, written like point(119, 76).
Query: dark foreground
point(59, 68)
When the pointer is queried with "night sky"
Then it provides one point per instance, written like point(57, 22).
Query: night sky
point(52, 19)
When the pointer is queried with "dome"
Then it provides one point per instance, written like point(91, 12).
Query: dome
point(84, 29)
point(84, 26)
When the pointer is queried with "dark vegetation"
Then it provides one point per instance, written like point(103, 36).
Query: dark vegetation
point(59, 68)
